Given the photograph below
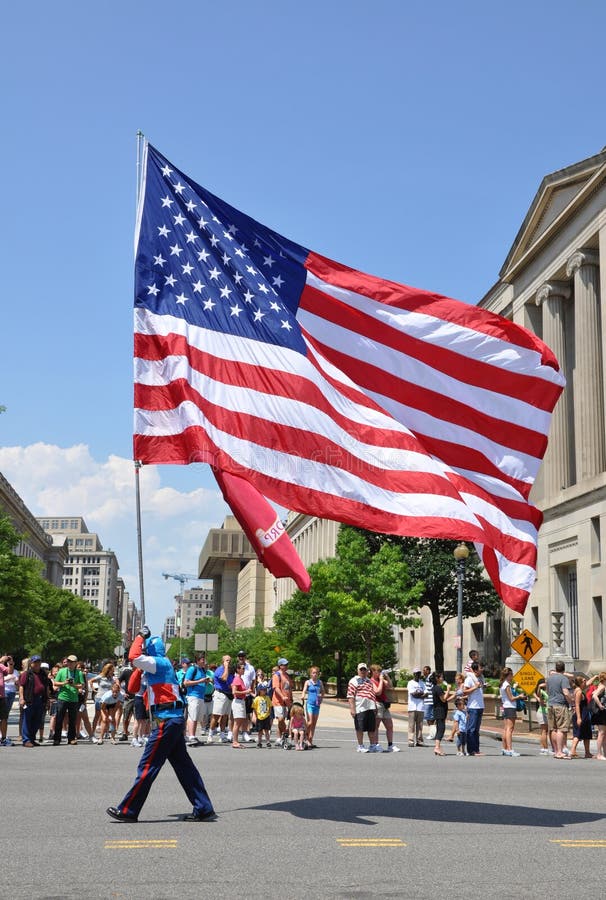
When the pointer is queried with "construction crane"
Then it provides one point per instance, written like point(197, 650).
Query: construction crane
point(181, 578)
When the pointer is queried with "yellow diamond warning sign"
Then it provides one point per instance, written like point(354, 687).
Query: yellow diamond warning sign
point(527, 678)
point(526, 644)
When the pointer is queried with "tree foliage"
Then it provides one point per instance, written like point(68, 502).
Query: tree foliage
point(36, 616)
point(432, 563)
point(355, 600)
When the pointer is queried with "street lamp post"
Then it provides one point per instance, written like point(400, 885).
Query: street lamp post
point(460, 552)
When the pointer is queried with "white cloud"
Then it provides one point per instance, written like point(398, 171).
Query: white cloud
point(69, 481)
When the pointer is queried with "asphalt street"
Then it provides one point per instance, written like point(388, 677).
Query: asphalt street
point(326, 823)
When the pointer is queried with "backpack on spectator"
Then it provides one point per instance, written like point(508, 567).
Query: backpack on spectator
point(270, 684)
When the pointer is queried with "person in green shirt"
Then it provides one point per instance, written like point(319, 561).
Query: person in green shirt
point(69, 683)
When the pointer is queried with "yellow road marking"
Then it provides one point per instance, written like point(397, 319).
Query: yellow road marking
point(371, 842)
point(133, 844)
point(587, 842)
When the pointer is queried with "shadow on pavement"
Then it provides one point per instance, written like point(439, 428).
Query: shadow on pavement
point(357, 810)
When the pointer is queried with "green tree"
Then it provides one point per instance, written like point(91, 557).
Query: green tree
point(354, 601)
point(72, 625)
point(21, 615)
point(432, 563)
point(37, 616)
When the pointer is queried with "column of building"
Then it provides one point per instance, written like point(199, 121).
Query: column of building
point(583, 265)
point(552, 296)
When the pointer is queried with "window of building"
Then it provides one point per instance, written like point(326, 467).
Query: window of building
point(573, 613)
point(597, 616)
point(596, 550)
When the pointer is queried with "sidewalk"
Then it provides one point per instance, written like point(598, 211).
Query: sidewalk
point(335, 713)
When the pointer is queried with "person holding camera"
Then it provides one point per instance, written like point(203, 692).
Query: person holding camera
point(69, 683)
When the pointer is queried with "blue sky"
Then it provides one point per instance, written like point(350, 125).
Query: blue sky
point(405, 139)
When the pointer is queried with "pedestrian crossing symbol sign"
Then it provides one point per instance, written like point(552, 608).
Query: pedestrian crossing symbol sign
point(526, 644)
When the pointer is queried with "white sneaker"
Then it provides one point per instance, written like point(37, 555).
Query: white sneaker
point(246, 737)
point(362, 749)
point(544, 751)
point(392, 749)
point(459, 753)
point(192, 741)
point(375, 748)
point(224, 738)
point(230, 736)
point(209, 739)
point(135, 742)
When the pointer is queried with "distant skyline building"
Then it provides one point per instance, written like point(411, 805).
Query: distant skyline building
point(90, 571)
point(51, 551)
point(196, 603)
point(224, 554)
point(169, 632)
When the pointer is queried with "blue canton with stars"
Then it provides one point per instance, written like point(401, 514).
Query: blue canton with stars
point(203, 261)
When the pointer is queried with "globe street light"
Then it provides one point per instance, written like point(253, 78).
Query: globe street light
point(460, 552)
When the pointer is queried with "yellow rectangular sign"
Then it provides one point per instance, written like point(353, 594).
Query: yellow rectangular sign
point(526, 644)
point(527, 678)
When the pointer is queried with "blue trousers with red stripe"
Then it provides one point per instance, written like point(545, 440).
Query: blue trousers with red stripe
point(166, 742)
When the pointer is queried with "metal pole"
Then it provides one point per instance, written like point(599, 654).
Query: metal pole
point(460, 576)
point(138, 465)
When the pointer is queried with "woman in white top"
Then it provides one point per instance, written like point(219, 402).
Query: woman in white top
point(509, 701)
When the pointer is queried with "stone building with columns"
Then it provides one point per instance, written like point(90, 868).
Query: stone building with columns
point(553, 281)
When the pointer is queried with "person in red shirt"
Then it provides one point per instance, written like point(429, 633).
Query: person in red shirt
point(34, 692)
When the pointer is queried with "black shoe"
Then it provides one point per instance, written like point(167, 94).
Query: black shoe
point(116, 813)
point(122, 738)
point(201, 817)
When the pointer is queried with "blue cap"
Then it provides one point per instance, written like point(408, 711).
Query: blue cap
point(282, 661)
point(35, 659)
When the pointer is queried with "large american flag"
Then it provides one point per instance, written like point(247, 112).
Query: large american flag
point(334, 393)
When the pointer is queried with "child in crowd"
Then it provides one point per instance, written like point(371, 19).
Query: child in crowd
point(298, 727)
point(111, 702)
point(459, 718)
point(458, 688)
point(262, 715)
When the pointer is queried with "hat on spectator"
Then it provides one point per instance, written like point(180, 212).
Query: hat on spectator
point(417, 670)
point(35, 659)
point(362, 666)
point(184, 660)
point(72, 658)
point(241, 652)
point(44, 666)
point(282, 661)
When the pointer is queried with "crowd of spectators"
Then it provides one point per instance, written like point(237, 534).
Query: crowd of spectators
point(234, 703)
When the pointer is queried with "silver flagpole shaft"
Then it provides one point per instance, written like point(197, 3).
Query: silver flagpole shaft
point(138, 463)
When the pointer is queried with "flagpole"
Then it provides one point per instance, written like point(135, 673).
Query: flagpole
point(138, 463)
